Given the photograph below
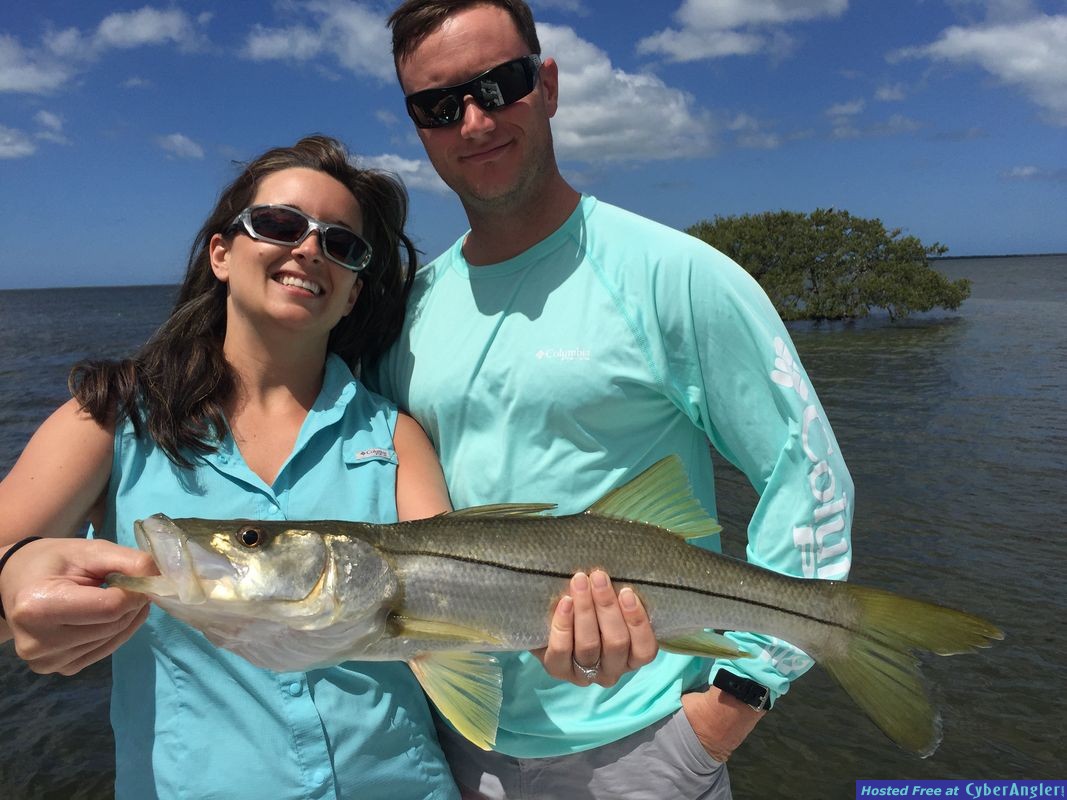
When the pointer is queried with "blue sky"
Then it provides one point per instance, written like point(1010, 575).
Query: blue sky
point(119, 122)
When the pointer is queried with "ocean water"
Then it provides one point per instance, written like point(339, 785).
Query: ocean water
point(954, 426)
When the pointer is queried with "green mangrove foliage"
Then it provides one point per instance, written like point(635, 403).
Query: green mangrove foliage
point(832, 265)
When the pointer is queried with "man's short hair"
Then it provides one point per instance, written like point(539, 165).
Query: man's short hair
point(414, 20)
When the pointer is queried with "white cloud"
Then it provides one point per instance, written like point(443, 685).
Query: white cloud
point(1030, 55)
point(46, 119)
point(719, 28)
point(749, 133)
point(1031, 173)
point(181, 146)
point(387, 118)
point(846, 127)
point(15, 144)
point(415, 173)
point(723, 14)
point(896, 124)
point(51, 127)
point(136, 82)
point(125, 30)
point(23, 70)
point(63, 53)
point(297, 43)
point(890, 93)
point(694, 45)
point(849, 109)
point(596, 120)
point(350, 32)
point(68, 44)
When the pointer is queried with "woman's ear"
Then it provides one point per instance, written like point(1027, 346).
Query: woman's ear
point(353, 296)
point(219, 253)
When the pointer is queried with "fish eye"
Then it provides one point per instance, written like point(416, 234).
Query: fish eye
point(251, 536)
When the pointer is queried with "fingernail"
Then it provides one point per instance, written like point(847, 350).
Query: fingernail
point(627, 599)
point(600, 580)
point(581, 582)
point(566, 604)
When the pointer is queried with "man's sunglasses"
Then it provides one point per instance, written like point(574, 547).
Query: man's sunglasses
point(500, 86)
point(285, 225)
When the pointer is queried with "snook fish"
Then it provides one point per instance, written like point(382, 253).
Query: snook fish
point(438, 593)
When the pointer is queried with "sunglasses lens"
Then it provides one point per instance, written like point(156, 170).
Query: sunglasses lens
point(501, 86)
point(344, 246)
point(279, 224)
point(435, 108)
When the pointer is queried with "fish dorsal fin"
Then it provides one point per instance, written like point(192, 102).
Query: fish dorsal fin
point(502, 510)
point(660, 496)
point(466, 688)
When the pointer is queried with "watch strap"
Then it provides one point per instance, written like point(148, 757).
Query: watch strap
point(754, 695)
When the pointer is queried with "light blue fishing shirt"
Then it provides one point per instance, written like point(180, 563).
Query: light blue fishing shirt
point(567, 370)
point(193, 721)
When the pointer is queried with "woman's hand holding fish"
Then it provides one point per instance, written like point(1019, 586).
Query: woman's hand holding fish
point(597, 636)
point(60, 618)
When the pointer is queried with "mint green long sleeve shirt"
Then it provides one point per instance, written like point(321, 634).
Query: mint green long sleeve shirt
point(562, 373)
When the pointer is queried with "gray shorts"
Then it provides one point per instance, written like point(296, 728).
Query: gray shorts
point(665, 761)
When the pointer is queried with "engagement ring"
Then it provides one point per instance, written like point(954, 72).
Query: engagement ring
point(589, 673)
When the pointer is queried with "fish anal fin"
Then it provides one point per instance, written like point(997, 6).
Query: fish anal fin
point(407, 627)
point(706, 644)
point(660, 496)
point(466, 688)
point(502, 510)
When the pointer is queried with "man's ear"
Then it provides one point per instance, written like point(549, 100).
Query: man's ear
point(549, 80)
point(219, 253)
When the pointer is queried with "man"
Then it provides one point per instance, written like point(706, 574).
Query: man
point(556, 350)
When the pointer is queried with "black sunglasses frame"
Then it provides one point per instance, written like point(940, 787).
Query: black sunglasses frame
point(243, 221)
point(495, 88)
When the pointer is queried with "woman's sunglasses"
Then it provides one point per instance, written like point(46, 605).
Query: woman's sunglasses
point(500, 86)
point(285, 225)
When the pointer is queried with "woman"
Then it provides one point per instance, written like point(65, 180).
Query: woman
point(242, 405)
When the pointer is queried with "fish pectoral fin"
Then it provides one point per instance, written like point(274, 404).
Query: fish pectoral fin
point(706, 644)
point(467, 689)
point(437, 630)
point(502, 510)
point(660, 496)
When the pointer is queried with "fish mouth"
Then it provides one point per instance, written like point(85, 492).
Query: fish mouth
point(190, 571)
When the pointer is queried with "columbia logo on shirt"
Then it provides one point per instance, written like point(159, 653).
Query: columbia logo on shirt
point(564, 354)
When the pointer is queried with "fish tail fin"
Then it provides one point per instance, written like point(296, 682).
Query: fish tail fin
point(877, 668)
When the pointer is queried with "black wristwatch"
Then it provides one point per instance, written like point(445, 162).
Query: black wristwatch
point(754, 695)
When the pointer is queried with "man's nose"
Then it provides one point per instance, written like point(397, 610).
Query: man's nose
point(476, 120)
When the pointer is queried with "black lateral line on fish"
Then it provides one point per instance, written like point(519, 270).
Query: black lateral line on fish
point(622, 579)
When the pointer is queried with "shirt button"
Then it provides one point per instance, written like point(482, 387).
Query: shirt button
point(319, 777)
point(295, 688)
